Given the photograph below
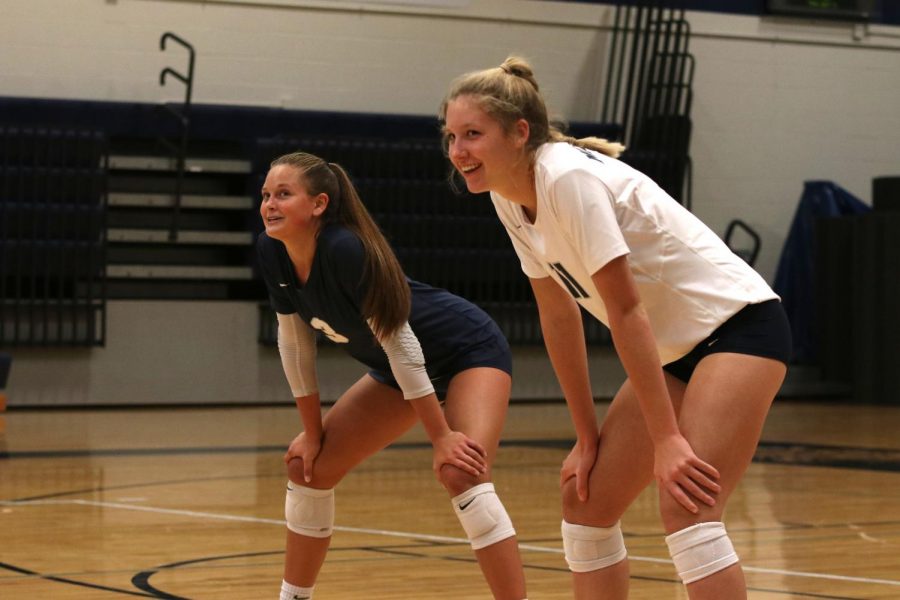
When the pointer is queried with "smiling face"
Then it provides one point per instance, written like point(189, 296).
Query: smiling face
point(487, 156)
point(287, 209)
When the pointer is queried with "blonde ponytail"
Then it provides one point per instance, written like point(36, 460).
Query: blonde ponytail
point(601, 145)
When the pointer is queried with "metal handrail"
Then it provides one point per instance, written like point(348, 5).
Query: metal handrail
point(749, 257)
point(184, 121)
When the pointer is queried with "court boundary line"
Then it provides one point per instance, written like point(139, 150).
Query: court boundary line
point(421, 536)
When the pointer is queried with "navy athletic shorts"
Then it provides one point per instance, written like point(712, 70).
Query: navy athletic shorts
point(757, 329)
point(491, 352)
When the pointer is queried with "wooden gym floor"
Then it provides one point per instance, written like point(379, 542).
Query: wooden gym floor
point(188, 503)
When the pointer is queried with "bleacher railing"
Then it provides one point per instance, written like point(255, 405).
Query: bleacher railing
point(649, 84)
point(182, 116)
point(52, 237)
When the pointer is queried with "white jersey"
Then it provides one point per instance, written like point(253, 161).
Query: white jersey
point(591, 209)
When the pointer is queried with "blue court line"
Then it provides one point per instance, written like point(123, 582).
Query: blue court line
point(75, 582)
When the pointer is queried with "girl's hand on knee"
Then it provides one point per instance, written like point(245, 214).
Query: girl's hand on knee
point(579, 464)
point(459, 450)
point(305, 447)
point(683, 475)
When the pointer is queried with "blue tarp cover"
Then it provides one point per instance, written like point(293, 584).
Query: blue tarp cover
point(796, 268)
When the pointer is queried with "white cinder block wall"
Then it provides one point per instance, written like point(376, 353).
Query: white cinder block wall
point(776, 101)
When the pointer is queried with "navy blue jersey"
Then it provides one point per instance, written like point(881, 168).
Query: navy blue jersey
point(453, 332)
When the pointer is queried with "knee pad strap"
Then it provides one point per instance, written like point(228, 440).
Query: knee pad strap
point(701, 550)
point(591, 548)
point(482, 516)
point(309, 511)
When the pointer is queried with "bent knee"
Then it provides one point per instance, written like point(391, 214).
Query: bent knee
point(321, 478)
point(595, 511)
point(569, 494)
point(295, 471)
point(676, 517)
point(456, 481)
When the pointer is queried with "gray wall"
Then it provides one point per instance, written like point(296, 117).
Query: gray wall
point(206, 353)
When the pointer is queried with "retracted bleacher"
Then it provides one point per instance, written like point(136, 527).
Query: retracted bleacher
point(52, 238)
point(56, 261)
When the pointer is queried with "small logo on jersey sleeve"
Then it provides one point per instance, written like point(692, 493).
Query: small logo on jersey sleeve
point(591, 154)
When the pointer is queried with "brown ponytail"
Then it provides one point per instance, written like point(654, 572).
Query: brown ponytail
point(388, 299)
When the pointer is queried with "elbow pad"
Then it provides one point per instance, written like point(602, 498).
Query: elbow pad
point(297, 347)
point(407, 362)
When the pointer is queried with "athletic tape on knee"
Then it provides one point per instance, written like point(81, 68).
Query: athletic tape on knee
point(483, 516)
point(309, 511)
point(701, 550)
point(591, 548)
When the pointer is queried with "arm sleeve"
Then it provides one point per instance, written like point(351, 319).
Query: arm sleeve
point(407, 362)
point(586, 210)
point(297, 347)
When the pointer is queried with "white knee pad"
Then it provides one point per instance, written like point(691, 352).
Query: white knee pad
point(482, 516)
point(591, 548)
point(701, 550)
point(309, 511)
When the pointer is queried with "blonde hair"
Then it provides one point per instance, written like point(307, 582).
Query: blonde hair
point(387, 300)
point(510, 92)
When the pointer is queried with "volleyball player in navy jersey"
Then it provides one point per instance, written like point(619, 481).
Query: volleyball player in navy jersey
point(703, 339)
point(327, 267)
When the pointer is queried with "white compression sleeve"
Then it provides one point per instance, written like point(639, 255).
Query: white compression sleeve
point(297, 347)
point(407, 362)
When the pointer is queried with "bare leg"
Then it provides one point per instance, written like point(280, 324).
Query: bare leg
point(724, 408)
point(477, 402)
point(623, 469)
point(368, 417)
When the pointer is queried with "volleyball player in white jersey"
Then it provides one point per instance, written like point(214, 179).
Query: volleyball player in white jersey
point(327, 267)
point(703, 339)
